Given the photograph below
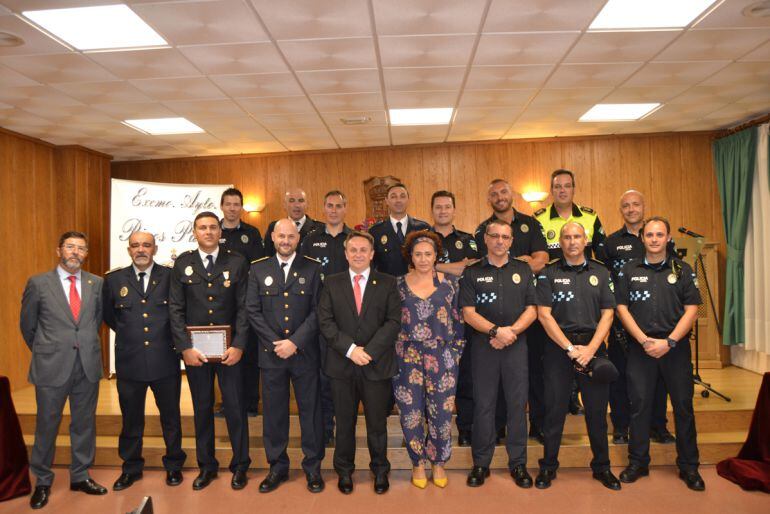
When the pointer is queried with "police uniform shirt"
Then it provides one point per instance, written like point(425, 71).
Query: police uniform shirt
point(576, 294)
point(327, 249)
point(499, 294)
point(307, 226)
point(527, 235)
point(244, 239)
point(456, 246)
point(552, 223)
point(657, 293)
point(620, 248)
point(387, 246)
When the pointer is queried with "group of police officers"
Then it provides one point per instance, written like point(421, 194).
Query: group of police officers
point(536, 334)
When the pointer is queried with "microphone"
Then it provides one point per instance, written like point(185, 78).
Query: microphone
point(690, 233)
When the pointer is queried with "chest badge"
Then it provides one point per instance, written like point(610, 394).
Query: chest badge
point(459, 245)
point(123, 292)
point(550, 235)
point(226, 274)
point(593, 280)
point(472, 244)
point(384, 239)
point(188, 271)
point(524, 228)
point(516, 278)
point(268, 280)
point(244, 239)
point(301, 280)
point(672, 279)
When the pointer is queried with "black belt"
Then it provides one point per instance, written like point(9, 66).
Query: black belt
point(579, 338)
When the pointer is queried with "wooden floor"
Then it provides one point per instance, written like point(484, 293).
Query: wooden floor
point(722, 428)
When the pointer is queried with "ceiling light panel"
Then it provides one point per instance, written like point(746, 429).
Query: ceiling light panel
point(648, 15)
point(164, 126)
point(619, 112)
point(432, 116)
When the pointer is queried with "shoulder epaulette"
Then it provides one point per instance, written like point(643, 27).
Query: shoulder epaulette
point(539, 211)
point(597, 261)
point(521, 260)
point(260, 259)
point(587, 209)
point(113, 269)
point(312, 259)
point(554, 260)
point(474, 264)
point(185, 253)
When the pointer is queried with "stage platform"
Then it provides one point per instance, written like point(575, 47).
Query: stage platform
point(722, 428)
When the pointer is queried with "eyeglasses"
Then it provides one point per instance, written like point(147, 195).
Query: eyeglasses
point(504, 237)
point(70, 247)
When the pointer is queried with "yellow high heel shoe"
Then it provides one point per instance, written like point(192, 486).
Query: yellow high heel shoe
point(440, 482)
point(420, 483)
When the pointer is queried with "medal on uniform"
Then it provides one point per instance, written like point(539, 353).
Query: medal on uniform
point(593, 280)
point(269, 281)
point(672, 279)
point(550, 235)
point(459, 245)
point(123, 292)
point(516, 278)
point(301, 280)
point(524, 228)
point(245, 238)
point(472, 244)
point(226, 274)
point(384, 239)
point(188, 271)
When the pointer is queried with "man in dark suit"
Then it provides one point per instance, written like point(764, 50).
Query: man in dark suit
point(359, 314)
point(61, 312)
point(135, 306)
point(208, 287)
point(295, 203)
point(281, 303)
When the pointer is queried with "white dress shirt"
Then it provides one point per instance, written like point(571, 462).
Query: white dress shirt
point(203, 255)
point(65, 282)
point(288, 262)
point(146, 276)
point(404, 222)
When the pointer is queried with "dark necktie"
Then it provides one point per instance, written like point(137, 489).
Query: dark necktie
point(142, 274)
point(399, 233)
point(283, 269)
point(210, 265)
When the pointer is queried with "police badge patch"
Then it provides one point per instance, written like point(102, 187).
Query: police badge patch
point(244, 239)
point(472, 244)
point(672, 279)
point(123, 292)
point(593, 280)
point(516, 278)
point(459, 245)
point(188, 271)
point(550, 235)
point(524, 228)
point(384, 239)
point(268, 280)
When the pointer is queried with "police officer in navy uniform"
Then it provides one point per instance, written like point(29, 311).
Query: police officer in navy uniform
point(282, 298)
point(327, 245)
point(616, 251)
point(658, 302)
point(208, 287)
point(389, 234)
point(144, 357)
point(528, 244)
point(240, 237)
point(497, 295)
point(575, 305)
point(295, 204)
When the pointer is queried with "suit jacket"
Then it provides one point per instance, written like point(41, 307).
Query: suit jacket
point(197, 298)
point(387, 248)
point(375, 329)
point(144, 350)
point(51, 332)
point(308, 227)
point(281, 309)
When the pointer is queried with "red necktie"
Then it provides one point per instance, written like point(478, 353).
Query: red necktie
point(357, 292)
point(74, 298)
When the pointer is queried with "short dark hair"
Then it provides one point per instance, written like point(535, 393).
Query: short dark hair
point(419, 236)
point(359, 233)
point(336, 192)
point(660, 219)
point(230, 191)
point(562, 171)
point(442, 194)
point(394, 186)
point(499, 180)
point(205, 214)
point(72, 234)
point(500, 222)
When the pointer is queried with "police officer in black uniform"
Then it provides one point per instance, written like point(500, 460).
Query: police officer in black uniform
point(658, 302)
point(497, 295)
point(295, 204)
point(575, 305)
point(528, 244)
point(327, 245)
point(144, 357)
point(389, 234)
point(208, 287)
point(616, 251)
point(281, 301)
point(240, 237)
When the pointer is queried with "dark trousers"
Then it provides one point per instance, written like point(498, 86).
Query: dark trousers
point(327, 404)
point(464, 394)
point(676, 369)
point(375, 395)
point(132, 395)
point(620, 405)
point(251, 374)
point(276, 395)
point(559, 375)
point(494, 369)
point(536, 341)
point(201, 379)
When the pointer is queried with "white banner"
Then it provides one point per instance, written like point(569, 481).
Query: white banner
point(165, 210)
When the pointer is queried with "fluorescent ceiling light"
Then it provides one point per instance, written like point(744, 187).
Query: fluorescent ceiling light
point(618, 112)
point(97, 28)
point(435, 116)
point(648, 14)
point(163, 126)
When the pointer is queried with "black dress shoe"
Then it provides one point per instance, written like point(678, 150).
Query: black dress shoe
point(620, 437)
point(173, 478)
point(608, 480)
point(521, 477)
point(537, 434)
point(271, 482)
point(39, 498)
point(544, 478)
point(476, 476)
point(693, 480)
point(239, 480)
point(662, 436)
point(345, 484)
point(203, 479)
point(126, 480)
point(381, 483)
point(464, 438)
point(633, 473)
point(315, 484)
point(88, 486)
point(575, 407)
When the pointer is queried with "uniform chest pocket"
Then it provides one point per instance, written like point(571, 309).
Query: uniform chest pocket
point(299, 289)
point(123, 304)
point(161, 302)
point(269, 291)
point(191, 279)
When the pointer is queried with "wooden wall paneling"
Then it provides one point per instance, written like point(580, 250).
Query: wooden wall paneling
point(635, 169)
point(577, 156)
point(609, 184)
point(463, 181)
point(667, 189)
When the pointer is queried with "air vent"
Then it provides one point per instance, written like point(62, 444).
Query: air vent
point(758, 10)
point(7, 39)
point(355, 120)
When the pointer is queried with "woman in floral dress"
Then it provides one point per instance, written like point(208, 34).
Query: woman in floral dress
point(428, 352)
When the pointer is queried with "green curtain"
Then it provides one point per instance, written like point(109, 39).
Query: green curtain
point(734, 159)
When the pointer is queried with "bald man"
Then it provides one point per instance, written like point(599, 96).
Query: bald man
point(295, 204)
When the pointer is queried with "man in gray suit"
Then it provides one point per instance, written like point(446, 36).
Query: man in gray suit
point(61, 312)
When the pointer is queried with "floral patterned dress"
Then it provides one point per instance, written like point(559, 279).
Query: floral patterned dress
point(428, 352)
